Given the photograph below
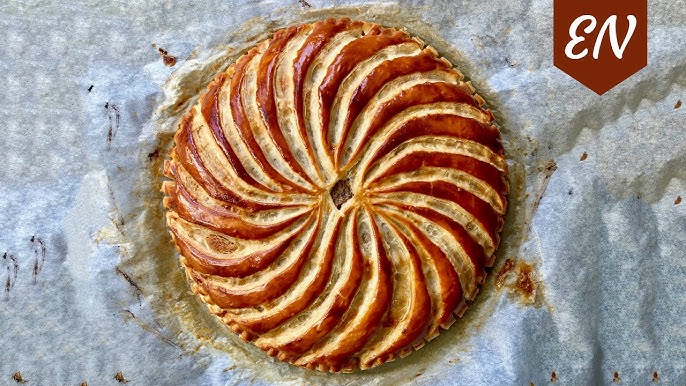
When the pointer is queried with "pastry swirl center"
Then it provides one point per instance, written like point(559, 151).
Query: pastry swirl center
point(340, 193)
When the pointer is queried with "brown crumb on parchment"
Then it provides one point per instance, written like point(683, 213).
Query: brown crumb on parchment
point(18, 377)
point(677, 104)
point(553, 377)
point(305, 4)
point(656, 377)
point(583, 157)
point(678, 200)
point(167, 59)
point(616, 377)
point(84, 383)
point(119, 377)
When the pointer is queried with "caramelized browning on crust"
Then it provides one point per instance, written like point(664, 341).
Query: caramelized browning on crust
point(336, 194)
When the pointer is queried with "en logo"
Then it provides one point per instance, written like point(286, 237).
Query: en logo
point(600, 43)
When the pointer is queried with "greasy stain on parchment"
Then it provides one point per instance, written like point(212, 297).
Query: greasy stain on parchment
point(522, 282)
point(151, 261)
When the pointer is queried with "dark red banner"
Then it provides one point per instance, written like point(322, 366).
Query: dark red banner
point(600, 43)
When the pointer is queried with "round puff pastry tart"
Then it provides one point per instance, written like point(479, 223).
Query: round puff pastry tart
point(336, 194)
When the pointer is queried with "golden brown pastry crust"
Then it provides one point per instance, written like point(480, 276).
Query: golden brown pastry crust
point(336, 194)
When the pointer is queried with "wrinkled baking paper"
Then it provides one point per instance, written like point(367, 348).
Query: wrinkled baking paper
point(92, 289)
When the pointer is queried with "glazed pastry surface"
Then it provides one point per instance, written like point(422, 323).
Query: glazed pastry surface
point(336, 194)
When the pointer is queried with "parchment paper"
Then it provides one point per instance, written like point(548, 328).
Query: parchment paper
point(92, 289)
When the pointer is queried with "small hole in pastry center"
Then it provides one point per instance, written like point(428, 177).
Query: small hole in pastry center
point(341, 193)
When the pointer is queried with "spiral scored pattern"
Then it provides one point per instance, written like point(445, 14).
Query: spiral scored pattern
point(336, 194)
